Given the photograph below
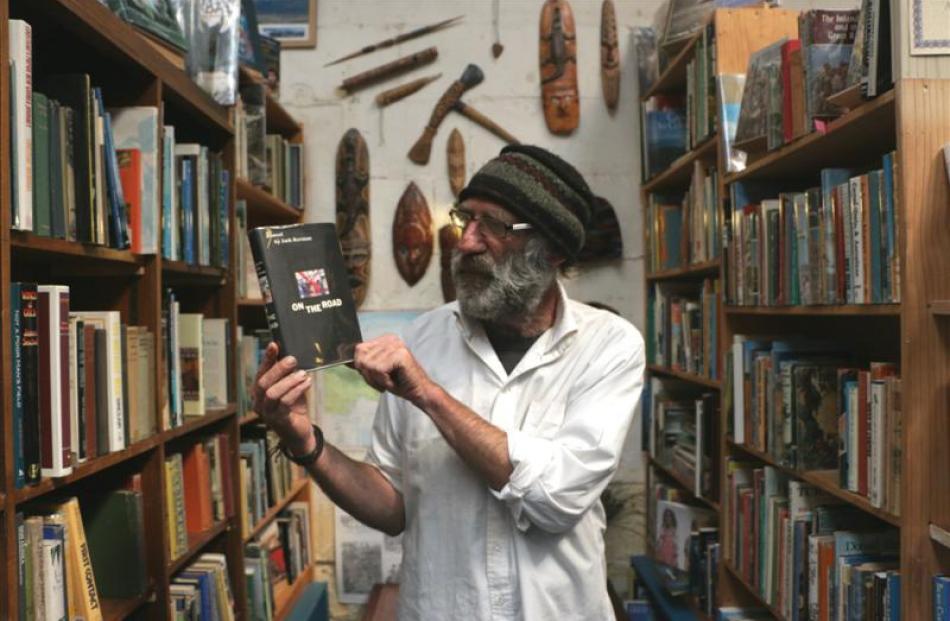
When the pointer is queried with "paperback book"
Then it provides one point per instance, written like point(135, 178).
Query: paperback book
point(310, 309)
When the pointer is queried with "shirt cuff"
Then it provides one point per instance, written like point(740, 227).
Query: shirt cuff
point(529, 456)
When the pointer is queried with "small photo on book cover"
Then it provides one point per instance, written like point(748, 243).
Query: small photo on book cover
point(306, 291)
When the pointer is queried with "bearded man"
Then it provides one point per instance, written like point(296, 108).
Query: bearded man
point(502, 418)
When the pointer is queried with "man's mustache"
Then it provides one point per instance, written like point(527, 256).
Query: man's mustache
point(473, 264)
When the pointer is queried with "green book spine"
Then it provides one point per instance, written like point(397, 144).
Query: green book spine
point(56, 148)
point(41, 168)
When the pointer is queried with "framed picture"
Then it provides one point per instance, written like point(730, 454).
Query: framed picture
point(249, 43)
point(292, 22)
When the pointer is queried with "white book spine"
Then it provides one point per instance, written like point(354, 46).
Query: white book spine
point(876, 452)
point(738, 398)
point(21, 57)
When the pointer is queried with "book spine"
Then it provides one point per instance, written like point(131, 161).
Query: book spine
point(270, 308)
point(16, 316)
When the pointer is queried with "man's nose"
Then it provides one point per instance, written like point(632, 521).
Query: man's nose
point(471, 240)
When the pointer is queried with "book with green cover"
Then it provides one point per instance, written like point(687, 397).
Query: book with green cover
point(115, 531)
point(307, 296)
point(41, 169)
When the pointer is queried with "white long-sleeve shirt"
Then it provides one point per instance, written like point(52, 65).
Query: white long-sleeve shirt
point(534, 550)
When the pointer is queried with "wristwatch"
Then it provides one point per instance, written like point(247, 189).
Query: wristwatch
point(312, 456)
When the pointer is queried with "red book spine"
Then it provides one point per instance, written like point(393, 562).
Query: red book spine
point(130, 176)
point(65, 418)
point(89, 338)
point(45, 380)
point(788, 113)
point(192, 481)
point(227, 482)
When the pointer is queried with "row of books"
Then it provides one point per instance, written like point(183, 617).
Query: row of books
point(251, 348)
point(69, 558)
point(198, 355)
point(701, 118)
point(202, 590)
point(266, 159)
point(683, 429)
point(198, 490)
point(806, 553)
point(266, 475)
point(662, 133)
point(684, 230)
point(82, 382)
point(276, 558)
point(833, 244)
point(806, 405)
point(682, 327)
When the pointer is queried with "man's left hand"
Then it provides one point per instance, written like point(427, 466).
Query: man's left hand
point(387, 365)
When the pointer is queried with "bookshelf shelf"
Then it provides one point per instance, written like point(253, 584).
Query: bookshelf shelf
point(825, 480)
point(669, 607)
point(940, 535)
point(197, 543)
point(697, 270)
point(673, 77)
point(684, 483)
point(199, 423)
point(869, 310)
point(119, 609)
point(43, 249)
point(282, 605)
point(279, 120)
point(678, 174)
point(251, 302)
point(84, 470)
point(298, 486)
point(940, 308)
point(687, 377)
point(249, 418)
point(264, 206)
point(865, 132)
point(752, 591)
point(179, 273)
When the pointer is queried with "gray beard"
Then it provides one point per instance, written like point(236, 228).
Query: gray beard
point(512, 287)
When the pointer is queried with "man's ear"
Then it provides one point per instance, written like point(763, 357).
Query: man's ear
point(555, 260)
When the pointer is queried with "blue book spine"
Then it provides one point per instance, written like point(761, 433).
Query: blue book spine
point(119, 223)
point(224, 212)
point(941, 598)
point(16, 322)
point(188, 210)
point(893, 597)
point(168, 190)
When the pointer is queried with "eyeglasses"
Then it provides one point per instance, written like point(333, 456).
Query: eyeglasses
point(493, 226)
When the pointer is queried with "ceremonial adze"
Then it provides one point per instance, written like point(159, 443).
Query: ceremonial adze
point(472, 76)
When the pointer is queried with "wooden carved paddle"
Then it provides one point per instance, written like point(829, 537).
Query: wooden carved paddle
point(352, 210)
point(609, 55)
point(448, 239)
point(412, 235)
point(455, 154)
point(420, 152)
point(558, 56)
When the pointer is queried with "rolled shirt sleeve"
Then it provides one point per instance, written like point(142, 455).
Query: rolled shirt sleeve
point(556, 480)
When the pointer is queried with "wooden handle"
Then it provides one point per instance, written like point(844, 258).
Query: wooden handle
point(393, 95)
point(389, 70)
point(420, 152)
point(480, 119)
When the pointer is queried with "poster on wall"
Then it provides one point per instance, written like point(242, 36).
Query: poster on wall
point(929, 28)
point(346, 405)
point(364, 557)
point(292, 22)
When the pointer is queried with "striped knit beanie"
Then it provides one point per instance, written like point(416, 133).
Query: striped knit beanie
point(540, 187)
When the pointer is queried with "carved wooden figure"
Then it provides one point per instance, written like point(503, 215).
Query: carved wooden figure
point(412, 235)
point(352, 210)
point(609, 55)
point(558, 56)
point(456, 158)
point(448, 240)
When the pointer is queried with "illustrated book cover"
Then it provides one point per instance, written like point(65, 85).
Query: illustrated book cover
point(310, 309)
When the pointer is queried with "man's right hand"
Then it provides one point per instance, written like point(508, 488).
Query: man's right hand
point(280, 398)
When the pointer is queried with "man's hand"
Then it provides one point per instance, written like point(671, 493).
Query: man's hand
point(280, 398)
point(386, 364)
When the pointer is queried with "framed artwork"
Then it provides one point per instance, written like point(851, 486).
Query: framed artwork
point(292, 22)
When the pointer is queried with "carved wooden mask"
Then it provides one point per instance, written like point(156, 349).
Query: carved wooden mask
point(352, 210)
point(456, 158)
point(609, 54)
point(412, 235)
point(558, 57)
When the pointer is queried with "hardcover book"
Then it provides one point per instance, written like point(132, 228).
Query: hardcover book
point(310, 309)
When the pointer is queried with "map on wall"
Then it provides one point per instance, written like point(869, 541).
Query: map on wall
point(346, 405)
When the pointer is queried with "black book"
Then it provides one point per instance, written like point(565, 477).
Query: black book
point(26, 390)
point(310, 309)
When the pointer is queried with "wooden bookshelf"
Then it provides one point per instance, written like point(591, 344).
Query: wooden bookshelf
point(262, 206)
point(867, 310)
point(684, 483)
point(284, 605)
point(131, 71)
point(692, 378)
point(249, 418)
point(673, 77)
point(825, 480)
point(751, 591)
point(677, 175)
point(697, 270)
point(940, 535)
point(295, 489)
point(940, 308)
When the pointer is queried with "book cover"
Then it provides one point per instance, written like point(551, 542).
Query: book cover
point(137, 127)
point(115, 532)
point(307, 297)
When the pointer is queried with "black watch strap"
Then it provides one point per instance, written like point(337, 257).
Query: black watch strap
point(309, 458)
